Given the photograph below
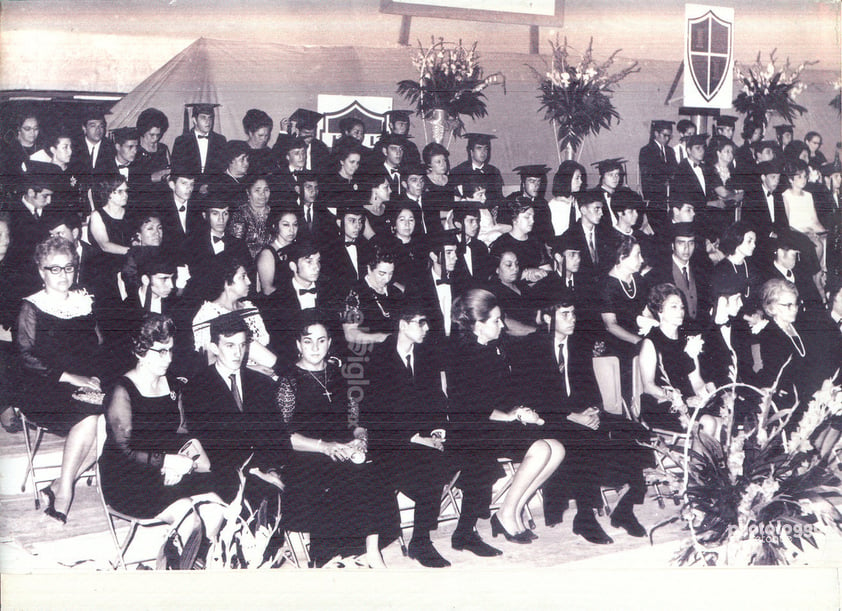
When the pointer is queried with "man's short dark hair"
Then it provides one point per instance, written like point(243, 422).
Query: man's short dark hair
point(228, 325)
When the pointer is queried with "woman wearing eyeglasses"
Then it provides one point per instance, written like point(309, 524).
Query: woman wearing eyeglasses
point(60, 388)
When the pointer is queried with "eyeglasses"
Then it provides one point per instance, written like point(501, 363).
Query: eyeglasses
point(162, 351)
point(55, 270)
point(790, 306)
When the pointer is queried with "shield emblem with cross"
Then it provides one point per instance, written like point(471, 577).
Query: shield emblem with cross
point(709, 50)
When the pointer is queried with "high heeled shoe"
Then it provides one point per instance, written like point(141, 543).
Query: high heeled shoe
point(498, 529)
point(50, 510)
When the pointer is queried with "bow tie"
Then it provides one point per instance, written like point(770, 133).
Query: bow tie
point(696, 165)
point(201, 137)
point(216, 239)
point(312, 291)
point(726, 324)
point(182, 208)
point(122, 166)
point(442, 281)
point(352, 243)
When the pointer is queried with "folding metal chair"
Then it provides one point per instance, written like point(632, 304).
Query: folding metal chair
point(503, 485)
point(296, 555)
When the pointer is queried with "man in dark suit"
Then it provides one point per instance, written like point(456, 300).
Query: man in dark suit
point(588, 237)
point(316, 155)
point(407, 416)
point(475, 262)
point(200, 151)
point(180, 214)
point(824, 340)
point(388, 157)
point(763, 207)
point(610, 178)
point(682, 270)
point(657, 164)
point(691, 179)
point(231, 410)
point(601, 448)
point(533, 182)
point(478, 164)
point(828, 200)
point(27, 230)
point(427, 217)
point(786, 265)
point(90, 152)
point(284, 183)
point(346, 257)
point(303, 291)
point(316, 223)
point(744, 159)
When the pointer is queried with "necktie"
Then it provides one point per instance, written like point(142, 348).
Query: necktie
point(570, 282)
point(562, 369)
point(201, 137)
point(235, 390)
point(592, 247)
point(312, 291)
point(308, 215)
point(216, 239)
point(686, 275)
point(442, 281)
point(789, 275)
point(409, 364)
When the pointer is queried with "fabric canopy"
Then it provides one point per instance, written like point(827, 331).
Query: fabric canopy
point(280, 78)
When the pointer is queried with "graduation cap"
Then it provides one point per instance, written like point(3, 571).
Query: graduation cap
point(151, 260)
point(609, 165)
point(233, 149)
point(659, 124)
point(475, 138)
point(566, 241)
point(466, 207)
point(292, 143)
point(53, 217)
point(585, 198)
point(780, 130)
point(726, 120)
point(213, 201)
point(301, 249)
point(346, 123)
point(306, 119)
point(123, 134)
point(698, 139)
point(786, 241)
point(769, 167)
point(349, 208)
point(392, 116)
point(728, 285)
point(201, 108)
point(409, 168)
point(538, 170)
point(392, 139)
point(439, 240)
point(303, 176)
point(682, 230)
point(626, 199)
point(764, 144)
point(829, 169)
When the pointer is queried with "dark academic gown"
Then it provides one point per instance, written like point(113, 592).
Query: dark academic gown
point(185, 154)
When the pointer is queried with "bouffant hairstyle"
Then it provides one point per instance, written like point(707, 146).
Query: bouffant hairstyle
point(255, 119)
point(794, 167)
point(222, 271)
point(770, 293)
point(55, 245)
point(658, 295)
point(471, 307)
point(563, 179)
point(733, 236)
point(380, 255)
point(154, 328)
point(431, 150)
point(105, 186)
point(624, 249)
point(149, 118)
point(308, 319)
point(279, 212)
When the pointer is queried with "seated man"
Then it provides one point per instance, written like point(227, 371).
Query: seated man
point(346, 257)
point(601, 448)
point(407, 417)
point(231, 410)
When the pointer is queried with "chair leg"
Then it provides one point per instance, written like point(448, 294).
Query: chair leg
point(31, 450)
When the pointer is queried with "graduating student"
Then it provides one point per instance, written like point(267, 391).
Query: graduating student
point(589, 237)
point(27, 229)
point(200, 150)
point(657, 164)
point(231, 410)
point(397, 124)
point(628, 206)
point(569, 180)
point(786, 265)
point(763, 208)
point(293, 160)
point(317, 223)
point(610, 179)
point(390, 149)
point(475, 260)
point(478, 147)
point(783, 133)
point(689, 182)
point(316, 155)
point(412, 195)
point(89, 154)
point(407, 416)
point(685, 128)
point(126, 142)
point(346, 257)
point(179, 214)
point(533, 183)
point(600, 448)
point(725, 126)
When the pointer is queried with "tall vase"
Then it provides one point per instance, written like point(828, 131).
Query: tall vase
point(441, 124)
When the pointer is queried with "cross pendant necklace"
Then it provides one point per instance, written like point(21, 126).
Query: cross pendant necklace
point(326, 393)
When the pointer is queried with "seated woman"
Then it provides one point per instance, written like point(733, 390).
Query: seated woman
point(570, 179)
point(60, 387)
point(624, 296)
point(230, 282)
point(331, 492)
point(723, 187)
point(272, 262)
point(409, 250)
point(511, 293)
point(801, 211)
point(488, 421)
point(249, 220)
point(738, 243)
point(374, 194)
point(257, 126)
point(110, 234)
point(783, 351)
point(439, 191)
point(147, 234)
point(369, 308)
point(150, 467)
point(669, 363)
point(152, 163)
point(531, 252)
point(340, 187)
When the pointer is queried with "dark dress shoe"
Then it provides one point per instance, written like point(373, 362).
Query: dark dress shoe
point(474, 544)
point(587, 527)
point(426, 554)
point(628, 522)
point(531, 534)
point(498, 529)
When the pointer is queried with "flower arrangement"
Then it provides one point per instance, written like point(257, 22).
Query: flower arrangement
point(836, 102)
point(769, 89)
point(450, 81)
point(752, 495)
point(576, 98)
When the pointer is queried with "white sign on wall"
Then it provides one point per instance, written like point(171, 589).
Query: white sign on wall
point(708, 56)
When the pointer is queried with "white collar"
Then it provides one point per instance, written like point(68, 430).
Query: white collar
point(78, 303)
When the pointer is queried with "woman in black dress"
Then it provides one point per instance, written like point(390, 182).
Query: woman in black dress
point(531, 252)
point(488, 421)
point(60, 386)
point(15, 152)
point(511, 293)
point(111, 234)
point(152, 163)
point(408, 248)
point(331, 491)
point(737, 243)
point(149, 465)
point(339, 189)
point(669, 363)
point(439, 190)
point(374, 195)
point(258, 125)
point(372, 303)
point(272, 262)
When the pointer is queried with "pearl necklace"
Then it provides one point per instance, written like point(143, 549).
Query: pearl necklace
point(633, 294)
